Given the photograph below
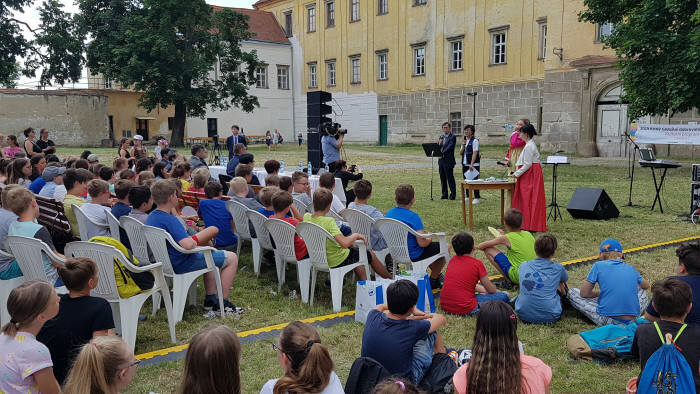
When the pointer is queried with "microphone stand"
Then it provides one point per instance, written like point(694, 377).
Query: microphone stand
point(432, 172)
point(632, 163)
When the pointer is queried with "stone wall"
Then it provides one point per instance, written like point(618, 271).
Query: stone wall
point(561, 111)
point(73, 118)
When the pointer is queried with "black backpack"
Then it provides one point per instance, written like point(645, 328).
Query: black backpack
point(365, 374)
point(438, 378)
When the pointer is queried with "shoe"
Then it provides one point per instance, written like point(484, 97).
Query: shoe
point(475, 201)
point(229, 308)
point(436, 283)
point(452, 196)
point(503, 284)
point(389, 263)
point(444, 197)
point(269, 256)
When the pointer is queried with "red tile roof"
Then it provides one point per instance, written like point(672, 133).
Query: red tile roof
point(262, 25)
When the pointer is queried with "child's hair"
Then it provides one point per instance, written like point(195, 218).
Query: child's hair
point(285, 183)
point(495, 363)
point(95, 169)
point(161, 190)
point(212, 363)
point(36, 158)
point(281, 200)
point(145, 177)
point(127, 174)
point(339, 164)
point(97, 366)
point(462, 243)
point(212, 189)
point(15, 173)
point(20, 155)
point(75, 175)
point(272, 180)
point(106, 173)
point(82, 163)
point(396, 385)
point(311, 364)
point(322, 199)
point(266, 194)
point(76, 272)
point(672, 297)
point(4, 165)
point(404, 194)
point(200, 177)
point(243, 170)
point(298, 175)
point(25, 303)
point(362, 189)
point(238, 185)
point(119, 163)
point(180, 170)
point(689, 255)
point(5, 192)
point(138, 195)
point(85, 154)
point(12, 140)
point(51, 158)
point(96, 187)
point(159, 169)
point(271, 166)
point(122, 188)
point(327, 180)
point(143, 164)
point(19, 200)
point(513, 218)
point(401, 296)
point(545, 245)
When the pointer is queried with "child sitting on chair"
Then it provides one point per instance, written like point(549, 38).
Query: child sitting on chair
point(282, 202)
point(95, 209)
point(213, 211)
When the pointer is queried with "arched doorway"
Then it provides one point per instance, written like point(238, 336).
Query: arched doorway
point(612, 123)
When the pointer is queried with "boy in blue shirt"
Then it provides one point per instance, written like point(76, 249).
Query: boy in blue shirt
point(164, 194)
point(214, 212)
point(418, 249)
point(622, 293)
point(541, 282)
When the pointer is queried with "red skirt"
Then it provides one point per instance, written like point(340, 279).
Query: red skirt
point(530, 200)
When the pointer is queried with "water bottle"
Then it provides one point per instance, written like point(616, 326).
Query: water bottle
point(281, 166)
point(308, 169)
point(301, 166)
point(509, 127)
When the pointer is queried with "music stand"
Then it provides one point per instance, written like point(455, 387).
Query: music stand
point(432, 150)
point(553, 206)
point(631, 165)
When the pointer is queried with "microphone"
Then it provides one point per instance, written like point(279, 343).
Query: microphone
point(501, 163)
point(558, 152)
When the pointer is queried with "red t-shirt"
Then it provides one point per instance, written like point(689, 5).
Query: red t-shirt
point(299, 245)
point(462, 275)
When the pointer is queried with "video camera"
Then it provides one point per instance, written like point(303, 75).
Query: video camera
point(332, 129)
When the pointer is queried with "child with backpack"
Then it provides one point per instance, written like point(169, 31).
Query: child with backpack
point(673, 301)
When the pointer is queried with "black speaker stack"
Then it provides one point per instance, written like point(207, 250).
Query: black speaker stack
point(317, 110)
point(695, 189)
point(595, 204)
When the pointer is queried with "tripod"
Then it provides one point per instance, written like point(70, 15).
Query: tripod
point(630, 170)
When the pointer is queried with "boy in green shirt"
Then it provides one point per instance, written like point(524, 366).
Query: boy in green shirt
point(520, 246)
point(342, 252)
point(75, 180)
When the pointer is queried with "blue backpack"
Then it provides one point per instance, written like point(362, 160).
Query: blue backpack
point(666, 371)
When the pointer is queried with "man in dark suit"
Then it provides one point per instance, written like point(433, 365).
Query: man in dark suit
point(446, 164)
point(236, 138)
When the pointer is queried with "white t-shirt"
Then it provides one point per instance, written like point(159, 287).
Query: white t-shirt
point(59, 193)
point(334, 386)
point(475, 149)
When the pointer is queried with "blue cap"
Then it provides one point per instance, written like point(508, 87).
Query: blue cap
point(610, 245)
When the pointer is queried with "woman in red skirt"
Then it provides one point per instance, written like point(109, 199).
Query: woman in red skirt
point(529, 187)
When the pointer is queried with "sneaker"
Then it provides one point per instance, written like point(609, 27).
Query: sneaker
point(503, 284)
point(209, 315)
point(475, 201)
point(228, 305)
point(229, 308)
point(436, 283)
point(389, 263)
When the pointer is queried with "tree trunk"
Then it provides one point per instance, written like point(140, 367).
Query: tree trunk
point(178, 136)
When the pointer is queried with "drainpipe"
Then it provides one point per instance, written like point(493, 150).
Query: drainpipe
point(294, 105)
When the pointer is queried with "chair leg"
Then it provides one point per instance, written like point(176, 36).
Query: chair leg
point(179, 298)
point(219, 291)
point(164, 292)
point(256, 256)
point(192, 293)
point(238, 245)
point(313, 286)
point(336, 289)
point(280, 268)
point(156, 302)
point(303, 272)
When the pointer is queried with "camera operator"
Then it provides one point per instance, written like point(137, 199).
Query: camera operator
point(341, 171)
point(331, 149)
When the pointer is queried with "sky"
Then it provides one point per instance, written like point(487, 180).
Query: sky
point(31, 16)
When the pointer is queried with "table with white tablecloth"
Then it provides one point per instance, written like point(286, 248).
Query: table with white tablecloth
point(261, 174)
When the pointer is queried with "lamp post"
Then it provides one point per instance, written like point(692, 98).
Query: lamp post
point(473, 95)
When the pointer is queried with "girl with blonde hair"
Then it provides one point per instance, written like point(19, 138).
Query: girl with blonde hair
point(104, 365)
point(212, 363)
point(200, 177)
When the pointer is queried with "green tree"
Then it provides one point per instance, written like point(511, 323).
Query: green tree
point(168, 49)
point(658, 48)
point(56, 47)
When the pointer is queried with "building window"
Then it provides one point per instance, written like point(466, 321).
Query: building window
point(420, 2)
point(261, 77)
point(382, 66)
point(419, 61)
point(108, 84)
point(330, 71)
point(605, 30)
point(330, 14)
point(313, 81)
point(355, 70)
point(542, 45)
point(498, 47)
point(311, 16)
point(456, 122)
point(383, 7)
point(354, 10)
point(288, 23)
point(283, 77)
point(456, 63)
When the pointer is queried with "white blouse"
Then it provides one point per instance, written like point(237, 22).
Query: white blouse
point(334, 386)
point(529, 155)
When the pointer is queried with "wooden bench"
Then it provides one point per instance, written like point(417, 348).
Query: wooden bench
point(191, 199)
point(53, 217)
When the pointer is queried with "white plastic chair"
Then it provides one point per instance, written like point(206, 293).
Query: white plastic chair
point(125, 310)
point(283, 234)
point(315, 238)
point(139, 248)
point(83, 221)
point(113, 223)
point(396, 235)
point(335, 215)
point(362, 223)
point(6, 287)
point(262, 237)
point(241, 222)
point(300, 206)
point(183, 284)
point(28, 253)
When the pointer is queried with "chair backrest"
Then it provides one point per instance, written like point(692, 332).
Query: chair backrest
point(113, 225)
point(51, 214)
point(333, 214)
point(300, 206)
point(261, 232)
point(83, 222)
point(283, 234)
point(104, 256)
point(137, 239)
point(240, 218)
point(315, 238)
point(310, 207)
point(396, 235)
point(28, 253)
point(257, 188)
point(157, 241)
point(359, 222)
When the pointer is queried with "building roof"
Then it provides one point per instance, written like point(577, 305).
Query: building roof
point(262, 25)
point(261, 3)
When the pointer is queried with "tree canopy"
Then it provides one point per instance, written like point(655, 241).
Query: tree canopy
point(657, 43)
point(177, 52)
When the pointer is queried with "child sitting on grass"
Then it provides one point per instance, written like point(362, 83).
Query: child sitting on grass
point(462, 278)
point(213, 211)
point(282, 202)
point(542, 283)
point(104, 365)
point(520, 245)
point(622, 293)
point(215, 348)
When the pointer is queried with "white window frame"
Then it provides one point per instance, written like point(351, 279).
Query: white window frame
point(355, 69)
point(354, 10)
point(311, 18)
point(418, 60)
point(456, 122)
point(382, 65)
point(313, 75)
point(330, 72)
point(420, 2)
point(499, 47)
point(456, 55)
point(261, 77)
point(604, 29)
point(382, 7)
point(283, 77)
point(108, 83)
point(542, 39)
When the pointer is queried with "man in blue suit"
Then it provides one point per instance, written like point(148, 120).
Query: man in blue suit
point(233, 140)
point(446, 164)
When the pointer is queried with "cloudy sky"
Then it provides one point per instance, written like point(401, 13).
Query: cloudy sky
point(32, 17)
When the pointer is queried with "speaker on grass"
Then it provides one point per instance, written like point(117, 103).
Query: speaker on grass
point(588, 203)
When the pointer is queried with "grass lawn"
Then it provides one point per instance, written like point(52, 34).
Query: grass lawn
point(577, 238)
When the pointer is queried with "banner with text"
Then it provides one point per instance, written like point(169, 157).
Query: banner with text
point(676, 134)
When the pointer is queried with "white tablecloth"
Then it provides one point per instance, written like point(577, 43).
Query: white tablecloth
point(261, 174)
